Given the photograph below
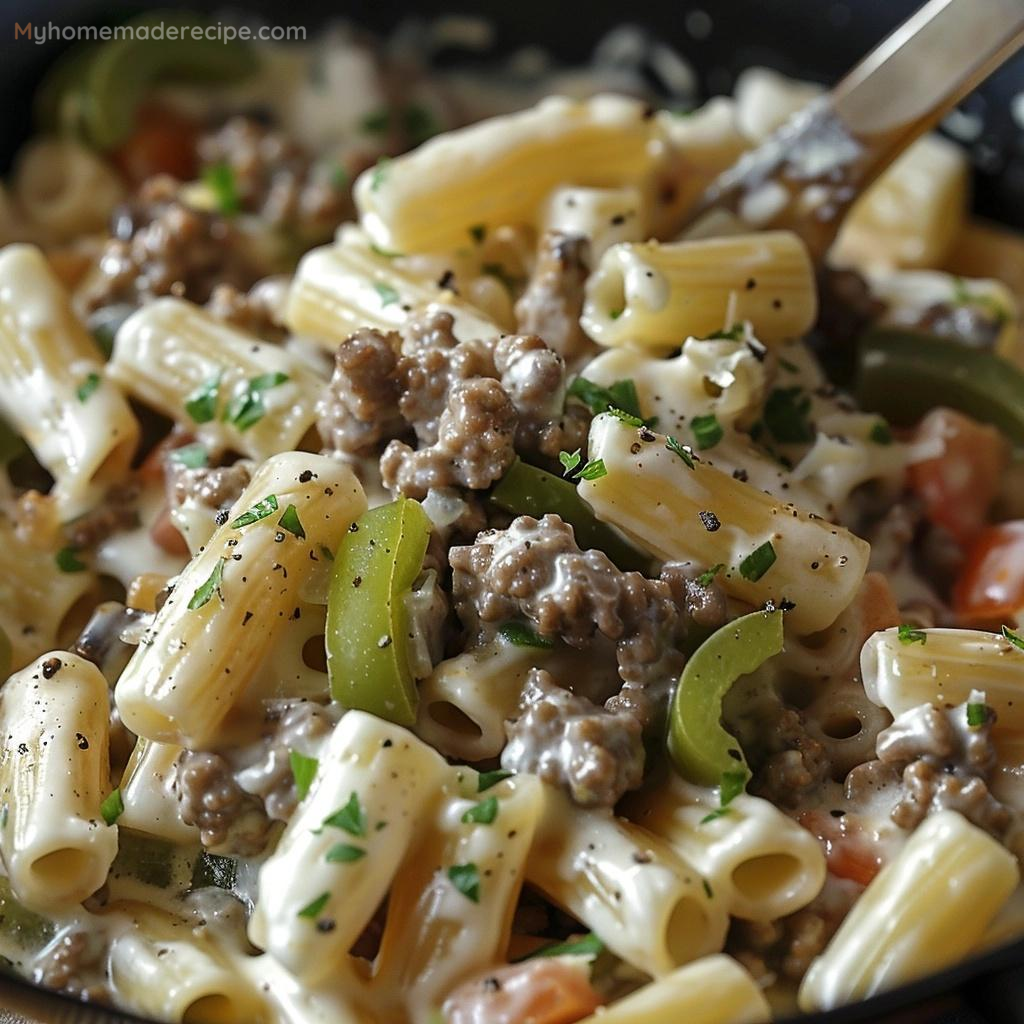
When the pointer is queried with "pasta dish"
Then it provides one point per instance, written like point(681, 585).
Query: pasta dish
point(446, 581)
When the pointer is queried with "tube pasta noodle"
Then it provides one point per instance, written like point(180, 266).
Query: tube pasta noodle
point(53, 390)
point(761, 863)
point(35, 596)
point(925, 910)
point(944, 669)
point(435, 935)
point(604, 870)
point(159, 969)
point(653, 296)
point(186, 676)
point(765, 100)
point(712, 990)
point(499, 171)
point(150, 804)
point(64, 188)
point(912, 213)
point(54, 774)
point(605, 215)
point(342, 287)
point(391, 777)
point(655, 499)
point(171, 350)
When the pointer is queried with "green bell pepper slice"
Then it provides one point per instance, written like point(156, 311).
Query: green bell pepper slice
point(367, 622)
point(701, 749)
point(904, 374)
point(526, 490)
point(21, 930)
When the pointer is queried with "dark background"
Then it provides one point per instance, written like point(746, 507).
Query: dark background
point(814, 39)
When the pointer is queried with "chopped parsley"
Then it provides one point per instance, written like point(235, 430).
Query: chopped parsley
point(384, 253)
point(304, 771)
point(220, 180)
point(67, 560)
point(313, 909)
point(377, 121)
point(963, 296)
point(589, 945)
point(262, 509)
point(201, 405)
point(593, 470)
point(290, 521)
point(734, 333)
point(626, 417)
point(191, 456)
point(387, 293)
point(340, 177)
point(351, 818)
point(880, 433)
point(112, 807)
point(87, 387)
point(207, 590)
point(614, 314)
point(620, 395)
point(569, 461)
point(466, 878)
point(977, 715)
point(378, 174)
point(266, 381)
point(419, 123)
point(910, 635)
point(720, 812)
point(344, 853)
point(707, 431)
point(706, 578)
point(786, 416)
point(326, 552)
point(733, 782)
point(1015, 638)
point(758, 562)
point(498, 271)
point(520, 635)
point(482, 813)
point(247, 409)
point(488, 779)
point(683, 451)
point(478, 232)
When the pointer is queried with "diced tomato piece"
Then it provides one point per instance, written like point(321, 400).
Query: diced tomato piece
point(163, 142)
point(990, 589)
point(166, 535)
point(959, 484)
point(848, 852)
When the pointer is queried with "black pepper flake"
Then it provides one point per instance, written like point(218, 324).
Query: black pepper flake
point(446, 279)
point(297, 613)
point(786, 606)
point(387, 743)
point(278, 537)
point(325, 925)
point(619, 218)
point(384, 641)
point(246, 618)
point(22, 748)
point(353, 527)
point(642, 857)
point(751, 283)
point(635, 448)
point(51, 667)
point(741, 475)
point(646, 434)
point(221, 517)
point(711, 521)
point(837, 813)
point(305, 476)
point(756, 349)
point(776, 303)
point(357, 581)
point(83, 743)
point(491, 985)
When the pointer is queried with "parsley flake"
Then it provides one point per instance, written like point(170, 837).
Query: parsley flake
point(977, 715)
point(290, 521)
point(351, 818)
point(206, 591)
point(488, 779)
point(520, 635)
point(614, 314)
point(594, 470)
point(734, 780)
point(707, 431)
point(758, 562)
point(344, 853)
point(734, 333)
point(1015, 638)
point(67, 560)
point(589, 945)
point(626, 417)
point(266, 381)
point(378, 173)
point(191, 456)
point(720, 812)
point(683, 451)
point(482, 813)
point(466, 878)
point(880, 433)
point(87, 387)
point(303, 770)
point(419, 123)
point(201, 405)
point(569, 461)
point(620, 395)
point(786, 416)
point(112, 807)
point(220, 180)
point(387, 293)
point(377, 121)
point(706, 578)
point(262, 509)
point(313, 909)
point(910, 635)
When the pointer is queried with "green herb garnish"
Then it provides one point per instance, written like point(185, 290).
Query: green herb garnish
point(482, 813)
point(191, 456)
point(910, 635)
point(589, 945)
point(201, 405)
point(880, 433)
point(313, 909)
point(683, 451)
point(351, 818)
point(303, 770)
point(706, 578)
point(220, 180)
point(734, 333)
point(707, 431)
point(67, 560)
point(206, 591)
point(344, 853)
point(87, 387)
point(522, 636)
point(112, 807)
point(786, 416)
point(977, 715)
point(1015, 638)
point(488, 779)
point(378, 173)
point(387, 293)
point(732, 784)
point(466, 878)
point(290, 522)
point(758, 562)
point(262, 509)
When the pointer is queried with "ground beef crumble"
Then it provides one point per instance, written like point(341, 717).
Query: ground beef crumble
point(933, 760)
point(214, 487)
point(596, 755)
point(116, 512)
point(74, 963)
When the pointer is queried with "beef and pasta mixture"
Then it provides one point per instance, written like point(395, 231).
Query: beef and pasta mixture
point(446, 581)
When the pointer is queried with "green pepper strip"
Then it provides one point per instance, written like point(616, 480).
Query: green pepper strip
point(20, 928)
point(700, 748)
point(101, 91)
point(367, 623)
point(526, 490)
point(147, 860)
point(903, 374)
